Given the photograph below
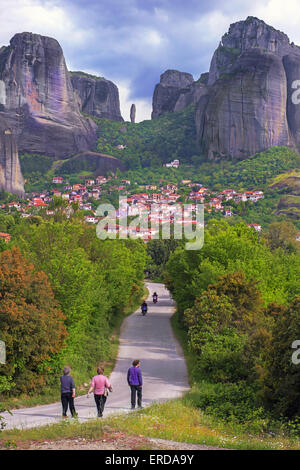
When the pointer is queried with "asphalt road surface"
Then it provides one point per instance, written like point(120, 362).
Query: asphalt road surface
point(148, 338)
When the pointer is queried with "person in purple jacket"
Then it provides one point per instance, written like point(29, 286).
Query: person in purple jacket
point(135, 382)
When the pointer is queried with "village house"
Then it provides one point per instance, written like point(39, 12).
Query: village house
point(101, 180)
point(256, 227)
point(173, 164)
point(238, 197)
point(170, 188)
point(203, 191)
point(78, 187)
point(86, 206)
point(16, 205)
point(215, 204)
point(156, 197)
point(255, 195)
point(57, 179)
point(5, 237)
point(39, 203)
point(228, 212)
point(196, 197)
point(91, 219)
point(95, 193)
point(89, 182)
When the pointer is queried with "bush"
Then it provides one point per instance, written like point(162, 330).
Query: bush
point(222, 358)
point(31, 324)
point(230, 402)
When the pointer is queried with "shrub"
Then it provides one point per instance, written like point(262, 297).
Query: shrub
point(230, 401)
point(31, 324)
point(222, 358)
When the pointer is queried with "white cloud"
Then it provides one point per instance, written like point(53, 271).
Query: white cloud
point(46, 18)
point(283, 15)
point(153, 38)
point(143, 107)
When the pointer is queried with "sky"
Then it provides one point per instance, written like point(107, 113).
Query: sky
point(132, 42)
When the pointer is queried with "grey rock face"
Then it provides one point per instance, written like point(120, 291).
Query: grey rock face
point(96, 96)
point(167, 92)
point(132, 113)
point(244, 35)
point(245, 112)
point(250, 87)
point(37, 98)
point(247, 102)
point(11, 178)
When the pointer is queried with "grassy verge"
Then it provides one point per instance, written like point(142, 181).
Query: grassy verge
point(174, 420)
point(52, 394)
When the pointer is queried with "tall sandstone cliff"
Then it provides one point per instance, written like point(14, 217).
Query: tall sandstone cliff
point(11, 179)
point(244, 104)
point(37, 98)
point(96, 96)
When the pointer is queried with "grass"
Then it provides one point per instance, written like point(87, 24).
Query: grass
point(174, 420)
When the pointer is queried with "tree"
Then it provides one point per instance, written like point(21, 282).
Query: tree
point(282, 235)
point(31, 323)
point(281, 378)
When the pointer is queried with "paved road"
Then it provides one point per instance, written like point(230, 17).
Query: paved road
point(148, 338)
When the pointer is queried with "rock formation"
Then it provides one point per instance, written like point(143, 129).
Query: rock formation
point(132, 113)
point(166, 93)
point(37, 98)
point(96, 96)
point(245, 103)
point(11, 179)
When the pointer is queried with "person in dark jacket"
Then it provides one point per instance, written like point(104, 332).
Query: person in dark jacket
point(135, 382)
point(67, 388)
point(144, 307)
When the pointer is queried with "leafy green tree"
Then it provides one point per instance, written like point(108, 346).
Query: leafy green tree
point(31, 323)
point(281, 235)
point(281, 378)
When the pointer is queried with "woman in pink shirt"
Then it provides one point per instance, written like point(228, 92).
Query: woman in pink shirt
point(100, 384)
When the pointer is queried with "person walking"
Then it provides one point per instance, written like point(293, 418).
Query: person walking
point(100, 384)
point(67, 388)
point(135, 382)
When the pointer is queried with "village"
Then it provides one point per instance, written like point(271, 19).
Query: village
point(156, 204)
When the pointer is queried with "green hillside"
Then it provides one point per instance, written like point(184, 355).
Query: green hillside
point(150, 143)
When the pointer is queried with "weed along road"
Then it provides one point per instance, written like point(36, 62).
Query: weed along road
point(148, 338)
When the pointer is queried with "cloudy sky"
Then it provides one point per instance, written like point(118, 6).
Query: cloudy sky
point(132, 42)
